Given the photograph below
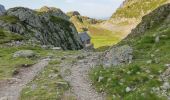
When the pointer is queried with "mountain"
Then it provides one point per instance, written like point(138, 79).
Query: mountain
point(2, 9)
point(81, 22)
point(128, 15)
point(145, 74)
point(137, 8)
point(50, 28)
point(52, 10)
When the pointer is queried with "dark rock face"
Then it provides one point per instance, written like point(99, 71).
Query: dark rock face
point(2, 9)
point(47, 28)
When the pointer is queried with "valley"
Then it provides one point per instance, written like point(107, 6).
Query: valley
point(43, 56)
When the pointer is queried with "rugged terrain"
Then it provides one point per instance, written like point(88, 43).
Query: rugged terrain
point(145, 54)
point(128, 15)
point(48, 28)
point(137, 68)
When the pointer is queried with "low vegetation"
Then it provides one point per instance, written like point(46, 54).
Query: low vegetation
point(48, 85)
point(8, 64)
point(9, 19)
point(102, 37)
point(136, 8)
point(8, 36)
point(136, 81)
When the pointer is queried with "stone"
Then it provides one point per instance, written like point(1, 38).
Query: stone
point(100, 78)
point(167, 65)
point(149, 61)
point(118, 55)
point(56, 48)
point(24, 53)
point(128, 89)
point(165, 86)
point(157, 39)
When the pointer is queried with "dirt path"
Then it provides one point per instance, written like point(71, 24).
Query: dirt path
point(10, 90)
point(78, 77)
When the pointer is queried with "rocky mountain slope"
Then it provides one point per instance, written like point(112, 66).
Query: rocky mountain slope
point(54, 11)
point(129, 14)
point(81, 22)
point(147, 74)
point(50, 28)
point(2, 9)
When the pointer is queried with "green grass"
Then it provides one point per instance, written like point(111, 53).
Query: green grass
point(8, 37)
point(139, 75)
point(8, 64)
point(102, 38)
point(135, 9)
point(9, 19)
point(48, 85)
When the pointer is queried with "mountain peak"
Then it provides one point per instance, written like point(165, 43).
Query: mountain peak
point(73, 13)
point(2, 9)
point(49, 9)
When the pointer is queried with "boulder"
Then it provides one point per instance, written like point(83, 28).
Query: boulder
point(118, 55)
point(24, 53)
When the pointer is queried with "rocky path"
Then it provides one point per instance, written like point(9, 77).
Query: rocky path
point(79, 79)
point(10, 89)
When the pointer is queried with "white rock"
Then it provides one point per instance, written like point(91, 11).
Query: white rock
point(166, 86)
point(56, 48)
point(149, 62)
point(100, 78)
point(128, 89)
point(167, 65)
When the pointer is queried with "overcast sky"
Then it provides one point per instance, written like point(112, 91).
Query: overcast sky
point(91, 8)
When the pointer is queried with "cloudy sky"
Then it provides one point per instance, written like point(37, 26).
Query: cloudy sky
point(91, 8)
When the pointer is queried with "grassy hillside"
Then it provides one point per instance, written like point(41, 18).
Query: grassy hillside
point(128, 16)
point(102, 37)
point(137, 8)
point(141, 80)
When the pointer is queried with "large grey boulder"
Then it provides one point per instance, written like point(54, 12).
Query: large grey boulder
point(24, 53)
point(118, 55)
point(2, 9)
point(48, 28)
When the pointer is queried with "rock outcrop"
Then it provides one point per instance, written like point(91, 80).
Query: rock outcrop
point(54, 11)
point(118, 55)
point(159, 16)
point(2, 9)
point(73, 13)
point(82, 22)
point(48, 28)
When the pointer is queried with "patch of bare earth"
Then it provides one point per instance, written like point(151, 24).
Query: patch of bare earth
point(10, 89)
point(76, 73)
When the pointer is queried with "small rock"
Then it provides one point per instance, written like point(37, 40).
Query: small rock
point(157, 39)
point(167, 65)
point(149, 62)
point(128, 72)
point(24, 53)
point(166, 86)
point(56, 48)
point(148, 71)
point(100, 78)
point(128, 89)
